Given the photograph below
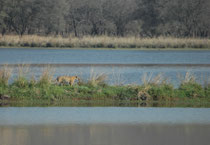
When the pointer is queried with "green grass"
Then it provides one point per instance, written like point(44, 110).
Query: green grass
point(154, 89)
point(24, 90)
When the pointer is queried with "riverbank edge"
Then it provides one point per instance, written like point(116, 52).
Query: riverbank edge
point(47, 88)
point(104, 42)
point(28, 93)
point(134, 49)
point(190, 103)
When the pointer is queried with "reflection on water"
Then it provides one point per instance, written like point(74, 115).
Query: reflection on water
point(103, 134)
point(104, 126)
point(104, 104)
point(102, 115)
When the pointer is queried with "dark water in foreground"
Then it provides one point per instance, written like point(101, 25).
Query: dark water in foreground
point(104, 126)
point(121, 66)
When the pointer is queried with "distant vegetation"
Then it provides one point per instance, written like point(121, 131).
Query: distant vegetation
point(102, 42)
point(121, 18)
point(96, 89)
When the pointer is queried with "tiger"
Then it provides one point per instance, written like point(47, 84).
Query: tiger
point(67, 79)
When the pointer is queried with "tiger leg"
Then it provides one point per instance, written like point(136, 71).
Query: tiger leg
point(71, 82)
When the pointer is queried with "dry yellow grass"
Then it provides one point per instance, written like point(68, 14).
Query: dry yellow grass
point(5, 74)
point(47, 76)
point(97, 78)
point(102, 42)
point(150, 78)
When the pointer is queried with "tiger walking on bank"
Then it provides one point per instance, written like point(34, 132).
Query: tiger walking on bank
point(67, 79)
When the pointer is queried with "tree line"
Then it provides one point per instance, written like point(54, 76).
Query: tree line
point(145, 18)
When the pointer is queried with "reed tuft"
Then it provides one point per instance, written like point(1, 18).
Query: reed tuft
point(187, 78)
point(5, 74)
point(149, 78)
point(47, 77)
point(97, 79)
point(21, 80)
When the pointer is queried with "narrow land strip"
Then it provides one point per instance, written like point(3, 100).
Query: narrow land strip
point(110, 42)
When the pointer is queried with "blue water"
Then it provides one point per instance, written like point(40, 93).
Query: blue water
point(116, 74)
point(102, 115)
point(63, 56)
point(106, 125)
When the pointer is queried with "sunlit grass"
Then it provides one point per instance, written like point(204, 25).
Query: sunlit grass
point(5, 74)
point(47, 76)
point(154, 88)
point(102, 42)
point(97, 79)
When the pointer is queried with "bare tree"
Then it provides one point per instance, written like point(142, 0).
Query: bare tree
point(2, 17)
point(148, 11)
point(19, 14)
point(119, 12)
point(179, 18)
point(186, 17)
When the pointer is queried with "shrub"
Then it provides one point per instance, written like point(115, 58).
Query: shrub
point(33, 44)
point(207, 91)
point(25, 44)
point(57, 92)
point(49, 44)
point(4, 90)
point(125, 93)
point(161, 92)
point(21, 82)
point(3, 43)
point(192, 90)
point(109, 92)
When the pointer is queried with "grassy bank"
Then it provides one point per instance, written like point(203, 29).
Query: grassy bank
point(51, 92)
point(96, 89)
point(102, 42)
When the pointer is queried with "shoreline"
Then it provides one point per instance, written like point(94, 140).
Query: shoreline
point(99, 48)
point(104, 42)
point(187, 103)
point(107, 65)
point(26, 87)
point(95, 92)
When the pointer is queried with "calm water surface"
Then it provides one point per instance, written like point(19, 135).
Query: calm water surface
point(102, 115)
point(66, 56)
point(104, 126)
point(126, 74)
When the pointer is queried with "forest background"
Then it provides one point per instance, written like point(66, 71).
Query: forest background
point(144, 18)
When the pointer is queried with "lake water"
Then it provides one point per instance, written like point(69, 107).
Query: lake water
point(104, 126)
point(121, 66)
point(71, 56)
